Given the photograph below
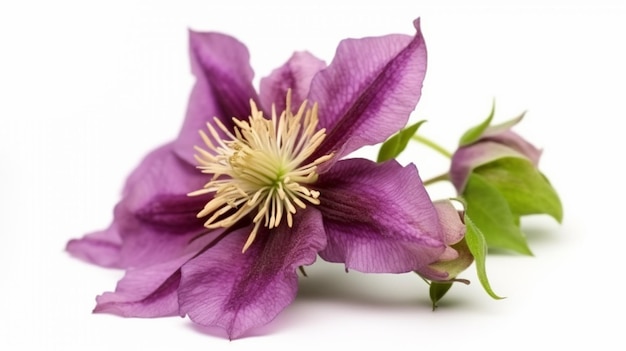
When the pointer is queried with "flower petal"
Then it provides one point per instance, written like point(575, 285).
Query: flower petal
point(161, 174)
point(517, 143)
point(101, 248)
point(468, 158)
point(155, 218)
point(152, 291)
point(369, 90)
point(378, 217)
point(456, 256)
point(237, 291)
point(450, 221)
point(145, 292)
point(223, 87)
point(296, 75)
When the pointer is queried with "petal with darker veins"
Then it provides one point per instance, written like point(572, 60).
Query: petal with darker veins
point(369, 90)
point(237, 291)
point(378, 217)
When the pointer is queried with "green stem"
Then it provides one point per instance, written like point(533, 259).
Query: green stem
point(432, 145)
point(440, 178)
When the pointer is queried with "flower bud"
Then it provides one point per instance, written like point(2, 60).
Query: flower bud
point(456, 257)
point(495, 171)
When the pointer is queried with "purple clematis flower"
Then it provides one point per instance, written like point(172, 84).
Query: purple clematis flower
point(218, 233)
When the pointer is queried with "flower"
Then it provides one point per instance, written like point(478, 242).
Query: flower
point(222, 244)
point(496, 172)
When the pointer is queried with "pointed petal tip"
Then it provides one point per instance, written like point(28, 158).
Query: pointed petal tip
point(192, 36)
point(102, 309)
point(107, 307)
point(416, 23)
point(91, 250)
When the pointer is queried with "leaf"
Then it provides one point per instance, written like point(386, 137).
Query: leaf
point(491, 212)
point(437, 291)
point(526, 190)
point(478, 247)
point(397, 143)
point(474, 133)
point(504, 126)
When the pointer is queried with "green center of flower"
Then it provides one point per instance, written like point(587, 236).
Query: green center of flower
point(260, 168)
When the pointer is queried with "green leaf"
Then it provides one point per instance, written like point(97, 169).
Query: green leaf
point(437, 291)
point(524, 187)
point(476, 132)
point(397, 143)
point(478, 247)
point(491, 212)
point(504, 126)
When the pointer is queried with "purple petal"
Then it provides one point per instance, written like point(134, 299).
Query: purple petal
point(369, 90)
point(450, 221)
point(452, 226)
point(101, 248)
point(470, 157)
point(237, 291)
point(378, 217)
point(517, 143)
point(296, 75)
point(223, 87)
point(151, 291)
point(161, 174)
point(453, 232)
point(154, 220)
point(145, 292)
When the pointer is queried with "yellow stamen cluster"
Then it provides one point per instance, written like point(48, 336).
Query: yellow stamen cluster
point(260, 168)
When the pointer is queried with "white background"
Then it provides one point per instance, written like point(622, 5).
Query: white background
point(87, 89)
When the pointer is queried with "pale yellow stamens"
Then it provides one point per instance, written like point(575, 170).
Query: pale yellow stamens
point(260, 167)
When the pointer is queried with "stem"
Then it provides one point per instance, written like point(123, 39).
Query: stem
point(432, 145)
point(439, 178)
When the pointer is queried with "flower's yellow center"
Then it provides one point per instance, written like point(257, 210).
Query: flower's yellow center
point(260, 167)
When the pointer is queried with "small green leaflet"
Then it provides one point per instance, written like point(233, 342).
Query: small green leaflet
point(478, 247)
point(437, 291)
point(499, 128)
point(397, 143)
point(474, 133)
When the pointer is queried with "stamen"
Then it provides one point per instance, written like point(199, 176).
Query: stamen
point(259, 169)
